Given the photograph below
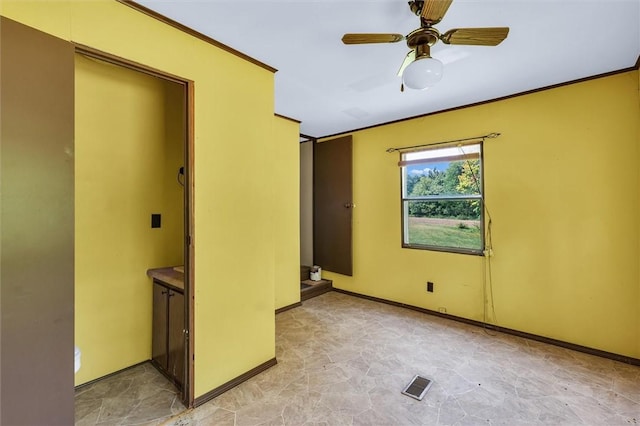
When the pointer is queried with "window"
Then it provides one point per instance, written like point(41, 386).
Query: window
point(442, 205)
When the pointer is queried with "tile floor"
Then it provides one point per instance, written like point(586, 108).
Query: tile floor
point(344, 360)
point(137, 396)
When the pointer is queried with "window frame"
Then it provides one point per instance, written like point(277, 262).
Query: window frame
point(404, 201)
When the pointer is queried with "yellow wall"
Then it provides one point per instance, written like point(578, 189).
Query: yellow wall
point(286, 221)
point(563, 188)
point(121, 177)
point(173, 192)
point(234, 249)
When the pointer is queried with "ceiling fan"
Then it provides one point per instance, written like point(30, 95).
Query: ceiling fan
point(419, 70)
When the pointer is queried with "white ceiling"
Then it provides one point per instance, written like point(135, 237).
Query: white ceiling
point(332, 88)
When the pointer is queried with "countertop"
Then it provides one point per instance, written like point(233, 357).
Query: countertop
point(168, 276)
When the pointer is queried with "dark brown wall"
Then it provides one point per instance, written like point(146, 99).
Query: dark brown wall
point(36, 227)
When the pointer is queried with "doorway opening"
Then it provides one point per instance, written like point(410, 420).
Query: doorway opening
point(312, 283)
point(326, 209)
point(134, 213)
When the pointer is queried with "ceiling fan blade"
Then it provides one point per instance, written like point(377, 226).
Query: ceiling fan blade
point(371, 38)
point(433, 10)
point(411, 56)
point(475, 36)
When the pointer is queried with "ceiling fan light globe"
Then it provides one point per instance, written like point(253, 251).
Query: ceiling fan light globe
point(422, 73)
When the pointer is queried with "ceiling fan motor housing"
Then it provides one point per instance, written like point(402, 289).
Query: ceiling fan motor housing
point(422, 36)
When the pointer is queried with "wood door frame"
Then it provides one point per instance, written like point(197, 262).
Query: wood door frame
point(189, 246)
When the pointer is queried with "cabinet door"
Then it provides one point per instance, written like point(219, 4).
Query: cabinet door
point(176, 337)
point(159, 338)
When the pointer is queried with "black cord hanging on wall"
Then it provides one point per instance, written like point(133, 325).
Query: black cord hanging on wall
point(180, 173)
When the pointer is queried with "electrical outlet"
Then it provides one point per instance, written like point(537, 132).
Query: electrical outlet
point(156, 220)
point(442, 310)
point(429, 286)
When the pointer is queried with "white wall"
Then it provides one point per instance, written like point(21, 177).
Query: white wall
point(306, 203)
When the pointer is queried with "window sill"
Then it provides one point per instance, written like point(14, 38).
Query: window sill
point(444, 249)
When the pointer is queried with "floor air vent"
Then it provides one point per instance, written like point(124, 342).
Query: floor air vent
point(417, 388)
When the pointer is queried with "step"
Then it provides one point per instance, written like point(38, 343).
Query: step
point(305, 272)
point(309, 289)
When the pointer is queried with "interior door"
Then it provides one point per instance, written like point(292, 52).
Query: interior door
point(37, 227)
point(332, 205)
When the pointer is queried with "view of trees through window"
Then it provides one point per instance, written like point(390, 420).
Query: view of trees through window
point(442, 201)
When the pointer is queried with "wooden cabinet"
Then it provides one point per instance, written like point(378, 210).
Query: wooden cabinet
point(168, 340)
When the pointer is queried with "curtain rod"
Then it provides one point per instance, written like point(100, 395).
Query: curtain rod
point(405, 148)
